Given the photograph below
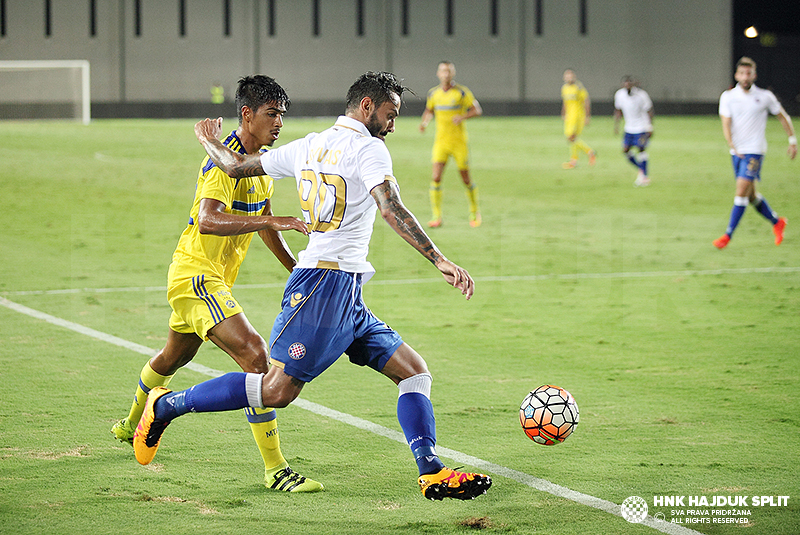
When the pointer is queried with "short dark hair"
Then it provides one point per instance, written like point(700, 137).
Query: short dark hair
point(744, 61)
point(255, 91)
point(378, 86)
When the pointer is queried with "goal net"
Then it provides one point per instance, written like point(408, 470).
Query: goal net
point(47, 89)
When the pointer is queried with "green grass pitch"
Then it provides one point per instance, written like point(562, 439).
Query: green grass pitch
point(682, 358)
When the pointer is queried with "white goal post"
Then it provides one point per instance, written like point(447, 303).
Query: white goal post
point(41, 65)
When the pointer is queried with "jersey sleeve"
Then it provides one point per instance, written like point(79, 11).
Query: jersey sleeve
point(218, 186)
point(429, 103)
point(280, 162)
point(648, 103)
point(617, 98)
point(374, 164)
point(724, 105)
point(469, 98)
point(774, 105)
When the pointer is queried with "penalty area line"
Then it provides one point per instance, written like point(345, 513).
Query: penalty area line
point(509, 473)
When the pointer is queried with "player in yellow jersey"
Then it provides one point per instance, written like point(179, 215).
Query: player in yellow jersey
point(450, 104)
point(225, 214)
point(576, 110)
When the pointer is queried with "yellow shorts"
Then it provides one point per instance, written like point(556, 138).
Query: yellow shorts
point(198, 302)
point(442, 150)
point(573, 126)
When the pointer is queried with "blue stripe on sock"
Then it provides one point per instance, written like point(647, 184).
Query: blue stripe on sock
point(259, 418)
point(144, 387)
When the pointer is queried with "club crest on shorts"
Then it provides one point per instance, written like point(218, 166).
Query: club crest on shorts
point(230, 304)
point(297, 351)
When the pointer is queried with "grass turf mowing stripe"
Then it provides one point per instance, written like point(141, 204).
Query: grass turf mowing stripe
point(521, 477)
point(505, 278)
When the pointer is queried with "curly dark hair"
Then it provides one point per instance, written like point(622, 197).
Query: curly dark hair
point(255, 91)
point(378, 86)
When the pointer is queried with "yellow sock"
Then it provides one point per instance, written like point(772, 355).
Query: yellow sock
point(573, 150)
point(148, 380)
point(436, 200)
point(264, 424)
point(472, 197)
point(579, 144)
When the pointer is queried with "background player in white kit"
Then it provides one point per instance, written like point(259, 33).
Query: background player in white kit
point(634, 104)
point(743, 111)
point(344, 175)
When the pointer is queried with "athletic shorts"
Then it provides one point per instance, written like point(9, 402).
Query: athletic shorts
point(198, 302)
point(323, 315)
point(442, 150)
point(635, 140)
point(573, 126)
point(748, 166)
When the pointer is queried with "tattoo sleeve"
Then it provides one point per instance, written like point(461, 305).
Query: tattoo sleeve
point(234, 165)
point(403, 222)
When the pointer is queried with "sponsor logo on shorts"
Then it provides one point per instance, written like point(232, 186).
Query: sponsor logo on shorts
point(297, 351)
point(295, 298)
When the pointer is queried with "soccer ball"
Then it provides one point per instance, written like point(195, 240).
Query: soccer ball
point(548, 415)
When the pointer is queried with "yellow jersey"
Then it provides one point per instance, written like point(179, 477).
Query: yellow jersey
point(221, 256)
point(574, 97)
point(447, 104)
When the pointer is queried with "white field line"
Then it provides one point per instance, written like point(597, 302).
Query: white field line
point(498, 278)
point(462, 458)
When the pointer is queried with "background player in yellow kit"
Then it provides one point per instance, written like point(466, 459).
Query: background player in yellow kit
point(576, 110)
point(225, 214)
point(450, 104)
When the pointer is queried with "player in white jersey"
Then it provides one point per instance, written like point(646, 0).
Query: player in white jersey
point(743, 111)
point(344, 175)
point(634, 105)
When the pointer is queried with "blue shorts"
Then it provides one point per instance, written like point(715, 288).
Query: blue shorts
point(323, 315)
point(635, 140)
point(748, 166)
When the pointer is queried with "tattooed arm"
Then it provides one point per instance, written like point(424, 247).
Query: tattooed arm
point(406, 225)
point(232, 163)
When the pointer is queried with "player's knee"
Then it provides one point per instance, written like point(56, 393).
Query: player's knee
point(254, 355)
point(279, 390)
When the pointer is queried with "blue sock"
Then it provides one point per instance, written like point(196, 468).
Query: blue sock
point(415, 414)
point(632, 159)
point(764, 209)
point(225, 393)
point(643, 167)
point(736, 215)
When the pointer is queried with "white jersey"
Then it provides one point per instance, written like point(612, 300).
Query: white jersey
point(634, 108)
point(748, 113)
point(335, 172)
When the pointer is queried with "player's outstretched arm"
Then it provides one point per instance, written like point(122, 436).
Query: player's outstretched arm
point(232, 163)
point(786, 122)
point(275, 242)
point(406, 225)
point(213, 219)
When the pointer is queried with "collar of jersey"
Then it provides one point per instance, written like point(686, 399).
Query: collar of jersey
point(232, 136)
point(348, 122)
